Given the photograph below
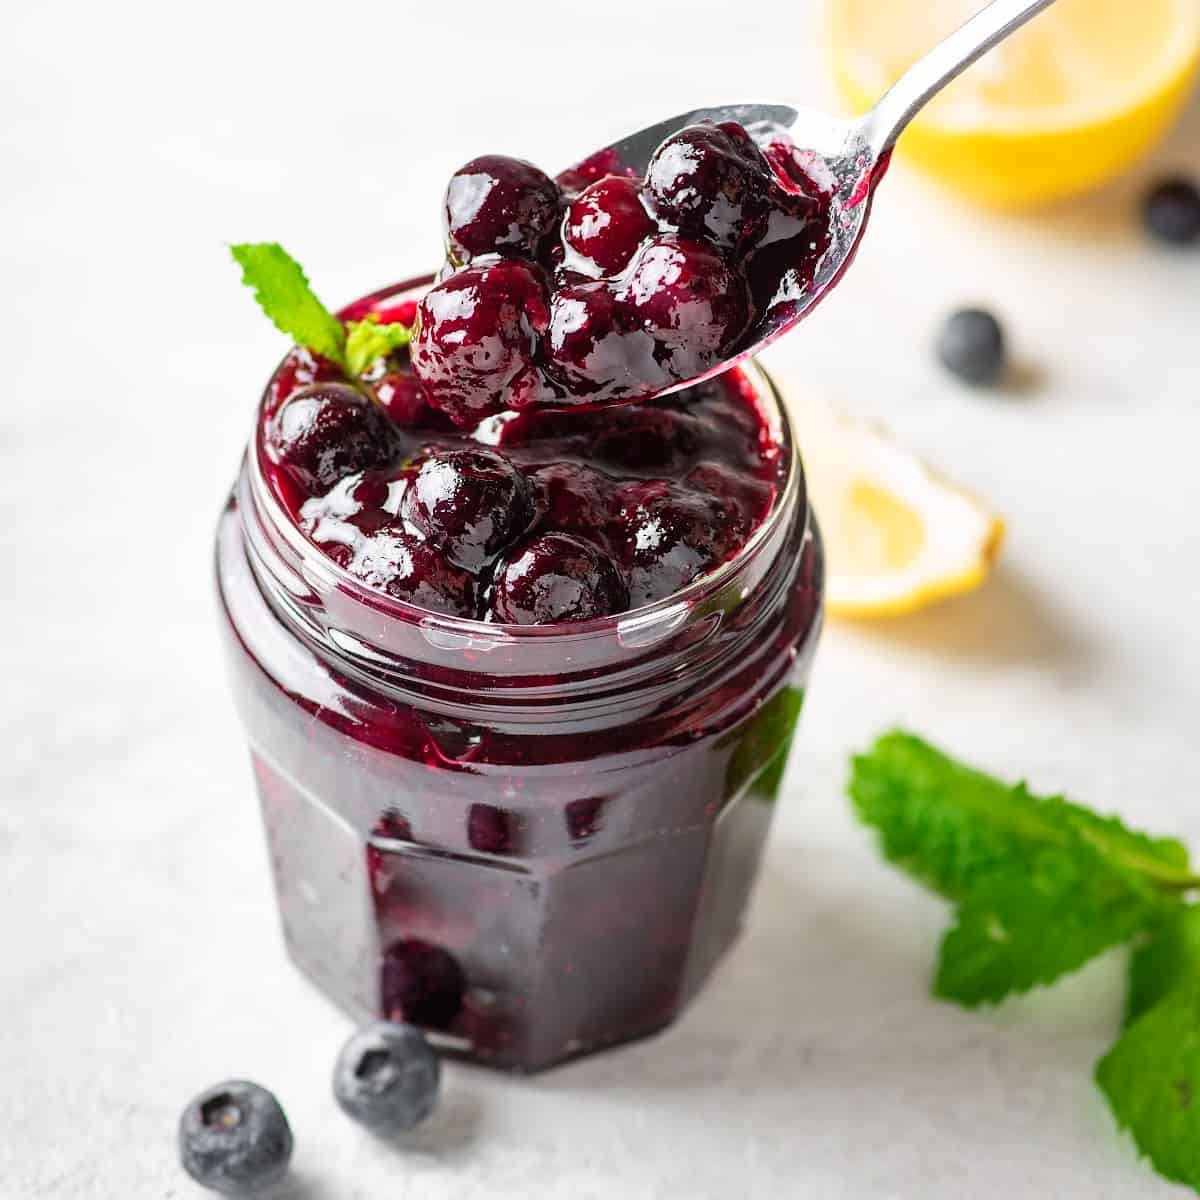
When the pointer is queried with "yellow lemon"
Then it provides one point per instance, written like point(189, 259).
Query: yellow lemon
point(897, 533)
point(1064, 104)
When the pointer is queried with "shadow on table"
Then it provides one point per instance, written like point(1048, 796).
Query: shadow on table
point(1006, 620)
point(1111, 213)
point(826, 1001)
point(447, 1136)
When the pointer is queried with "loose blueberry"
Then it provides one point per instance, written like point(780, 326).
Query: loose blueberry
point(496, 204)
point(235, 1139)
point(326, 431)
point(557, 578)
point(605, 225)
point(477, 338)
point(471, 504)
point(711, 181)
point(420, 983)
point(971, 346)
point(387, 1077)
point(1172, 211)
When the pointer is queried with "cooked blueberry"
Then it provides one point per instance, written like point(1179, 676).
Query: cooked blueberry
point(971, 345)
point(711, 181)
point(604, 162)
point(557, 578)
point(477, 337)
point(490, 829)
point(1172, 211)
point(692, 303)
point(605, 225)
point(498, 204)
point(410, 569)
point(672, 536)
point(327, 431)
point(471, 504)
point(574, 497)
point(234, 1138)
point(673, 315)
point(594, 346)
point(387, 1077)
point(420, 983)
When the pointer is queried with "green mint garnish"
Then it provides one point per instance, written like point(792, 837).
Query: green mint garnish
point(1040, 886)
point(368, 340)
point(283, 292)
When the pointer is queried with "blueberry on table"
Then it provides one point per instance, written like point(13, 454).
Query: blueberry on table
point(1171, 211)
point(496, 204)
point(234, 1138)
point(470, 503)
point(387, 1077)
point(326, 431)
point(971, 345)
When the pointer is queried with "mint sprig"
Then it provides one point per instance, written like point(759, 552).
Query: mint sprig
point(285, 295)
point(1040, 886)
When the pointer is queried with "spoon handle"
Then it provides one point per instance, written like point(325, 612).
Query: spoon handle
point(946, 61)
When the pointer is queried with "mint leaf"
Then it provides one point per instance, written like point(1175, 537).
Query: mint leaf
point(1151, 1076)
point(1170, 958)
point(1041, 885)
point(283, 293)
point(368, 340)
point(1028, 925)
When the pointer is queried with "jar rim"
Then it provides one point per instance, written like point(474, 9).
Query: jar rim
point(325, 575)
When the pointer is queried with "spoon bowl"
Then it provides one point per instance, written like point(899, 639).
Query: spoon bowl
point(846, 159)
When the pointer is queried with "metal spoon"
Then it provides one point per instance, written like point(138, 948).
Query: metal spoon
point(854, 152)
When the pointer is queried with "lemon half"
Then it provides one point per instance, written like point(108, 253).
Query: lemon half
point(898, 534)
point(1064, 104)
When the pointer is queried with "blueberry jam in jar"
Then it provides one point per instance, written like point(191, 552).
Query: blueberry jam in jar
point(518, 697)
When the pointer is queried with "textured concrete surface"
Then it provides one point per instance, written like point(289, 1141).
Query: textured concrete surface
point(139, 957)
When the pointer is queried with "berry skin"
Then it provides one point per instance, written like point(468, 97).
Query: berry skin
point(971, 346)
point(712, 182)
point(496, 205)
point(1171, 212)
point(420, 983)
point(673, 315)
point(672, 535)
point(689, 300)
point(327, 431)
point(471, 504)
point(477, 337)
point(405, 567)
point(604, 227)
point(490, 829)
point(557, 578)
point(235, 1139)
point(387, 1077)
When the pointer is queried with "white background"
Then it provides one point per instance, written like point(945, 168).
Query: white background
point(139, 956)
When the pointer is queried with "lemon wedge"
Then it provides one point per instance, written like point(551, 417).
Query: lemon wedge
point(898, 535)
point(1064, 104)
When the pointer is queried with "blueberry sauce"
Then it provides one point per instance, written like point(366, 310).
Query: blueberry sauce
point(601, 287)
point(536, 517)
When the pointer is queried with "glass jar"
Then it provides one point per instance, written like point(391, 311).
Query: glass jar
point(534, 841)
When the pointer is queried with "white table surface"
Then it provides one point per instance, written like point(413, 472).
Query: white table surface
point(139, 954)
